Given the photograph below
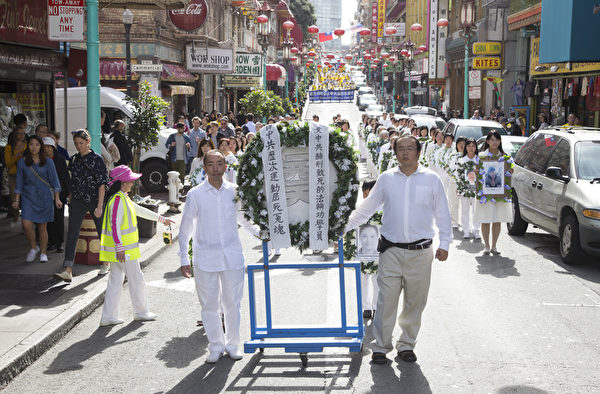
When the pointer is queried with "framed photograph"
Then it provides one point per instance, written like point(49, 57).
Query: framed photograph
point(367, 237)
point(493, 181)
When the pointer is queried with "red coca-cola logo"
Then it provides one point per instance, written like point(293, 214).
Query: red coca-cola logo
point(191, 17)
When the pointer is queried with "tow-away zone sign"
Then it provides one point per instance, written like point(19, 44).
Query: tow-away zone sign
point(65, 20)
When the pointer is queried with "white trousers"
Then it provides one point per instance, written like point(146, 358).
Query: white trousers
point(453, 202)
point(136, 284)
point(468, 221)
point(216, 291)
point(408, 271)
point(369, 291)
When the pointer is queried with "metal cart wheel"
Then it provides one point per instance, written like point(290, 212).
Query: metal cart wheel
point(304, 359)
point(261, 349)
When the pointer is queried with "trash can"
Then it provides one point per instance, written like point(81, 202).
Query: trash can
point(147, 228)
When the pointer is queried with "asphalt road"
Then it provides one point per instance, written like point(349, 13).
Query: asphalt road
point(521, 322)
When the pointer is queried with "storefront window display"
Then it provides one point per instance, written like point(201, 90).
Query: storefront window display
point(26, 98)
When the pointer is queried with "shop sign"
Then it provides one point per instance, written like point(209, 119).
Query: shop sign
point(400, 29)
point(234, 81)
point(25, 22)
point(203, 60)
point(487, 48)
point(380, 19)
point(248, 64)
point(190, 18)
point(474, 92)
point(374, 20)
point(65, 20)
point(486, 63)
point(538, 68)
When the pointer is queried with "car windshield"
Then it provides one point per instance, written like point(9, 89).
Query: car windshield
point(477, 131)
point(375, 107)
point(587, 159)
point(429, 122)
point(512, 147)
point(366, 97)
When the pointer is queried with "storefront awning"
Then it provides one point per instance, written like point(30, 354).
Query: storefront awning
point(275, 72)
point(182, 90)
point(114, 70)
point(176, 73)
point(526, 17)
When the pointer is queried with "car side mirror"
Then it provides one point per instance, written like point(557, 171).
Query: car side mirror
point(556, 173)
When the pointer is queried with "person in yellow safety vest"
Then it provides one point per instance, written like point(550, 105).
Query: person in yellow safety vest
point(119, 246)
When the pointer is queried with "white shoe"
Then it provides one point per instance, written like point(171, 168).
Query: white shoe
point(476, 236)
point(213, 357)
point(277, 252)
point(466, 236)
point(235, 354)
point(110, 322)
point(43, 258)
point(148, 316)
point(105, 269)
point(31, 254)
point(65, 275)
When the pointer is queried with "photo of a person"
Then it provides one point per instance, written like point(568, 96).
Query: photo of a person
point(492, 179)
point(367, 239)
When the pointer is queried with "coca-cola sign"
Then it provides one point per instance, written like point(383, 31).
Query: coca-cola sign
point(191, 17)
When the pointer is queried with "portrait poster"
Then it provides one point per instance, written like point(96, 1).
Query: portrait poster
point(493, 179)
point(367, 237)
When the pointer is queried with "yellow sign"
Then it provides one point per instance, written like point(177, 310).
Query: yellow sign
point(486, 63)
point(380, 17)
point(556, 68)
point(487, 48)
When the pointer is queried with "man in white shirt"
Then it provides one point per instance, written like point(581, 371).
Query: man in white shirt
point(250, 125)
point(210, 218)
point(412, 197)
point(476, 115)
point(385, 121)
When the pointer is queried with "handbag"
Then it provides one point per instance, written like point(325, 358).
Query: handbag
point(43, 181)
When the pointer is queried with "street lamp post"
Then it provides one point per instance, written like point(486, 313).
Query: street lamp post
point(264, 35)
point(467, 22)
point(287, 45)
point(441, 23)
point(127, 22)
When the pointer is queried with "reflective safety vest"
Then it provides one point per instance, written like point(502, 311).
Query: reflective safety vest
point(129, 231)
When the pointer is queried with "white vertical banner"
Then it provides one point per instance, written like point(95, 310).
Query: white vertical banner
point(433, 38)
point(279, 226)
point(318, 153)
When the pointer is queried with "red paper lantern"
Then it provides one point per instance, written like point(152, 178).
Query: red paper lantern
point(312, 53)
point(348, 57)
point(385, 55)
point(362, 67)
point(262, 19)
point(237, 3)
point(330, 56)
point(288, 25)
point(373, 66)
point(376, 61)
point(313, 29)
point(339, 32)
point(390, 31)
point(385, 65)
point(342, 64)
point(365, 32)
point(416, 27)
point(293, 58)
point(294, 50)
point(359, 62)
point(443, 22)
point(404, 52)
point(330, 65)
point(368, 56)
point(326, 63)
point(422, 48)
point(319, 66)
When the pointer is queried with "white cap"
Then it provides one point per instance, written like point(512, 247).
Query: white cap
point(49, 141)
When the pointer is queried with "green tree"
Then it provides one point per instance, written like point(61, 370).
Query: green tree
point(146, 121)
point(262, 104)
point(304, 12)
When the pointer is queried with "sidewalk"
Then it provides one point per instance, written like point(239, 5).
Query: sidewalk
point(36, 309)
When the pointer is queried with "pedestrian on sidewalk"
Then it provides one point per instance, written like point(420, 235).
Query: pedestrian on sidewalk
point(119, 245)
point(412, 197)
point(88, 185)
point(56, 228)
point(13, 152)
point(178, 144)
point(38, 189)
point(210, 219)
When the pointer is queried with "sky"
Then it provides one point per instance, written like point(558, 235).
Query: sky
point(348, 11)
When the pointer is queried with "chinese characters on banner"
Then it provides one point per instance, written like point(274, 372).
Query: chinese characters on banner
point(380, 21)
point(433, 30)
point(318, 145)
point(279, 227)
point(374, 20)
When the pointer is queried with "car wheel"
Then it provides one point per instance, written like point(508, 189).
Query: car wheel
point(518, 226)
point(154, 177)
point(570, 246)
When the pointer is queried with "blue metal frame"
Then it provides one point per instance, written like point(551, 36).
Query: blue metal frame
point(353, 333)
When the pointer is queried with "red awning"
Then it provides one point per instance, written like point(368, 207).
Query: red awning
point(275, 72)
point(177, 73)
point(115, 70)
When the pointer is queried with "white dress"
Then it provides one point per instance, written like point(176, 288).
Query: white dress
point(493, 212)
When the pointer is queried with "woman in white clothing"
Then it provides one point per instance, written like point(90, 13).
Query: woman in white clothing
point(451, 160)
point(232, 161)
point(197, 173)
point(466, 178)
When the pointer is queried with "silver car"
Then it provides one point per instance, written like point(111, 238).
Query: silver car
point(556, 187)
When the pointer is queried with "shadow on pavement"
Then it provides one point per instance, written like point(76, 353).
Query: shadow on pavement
point(497, 266)
point(72, 358)
point(521, 390)
point(209, 378)
point(411, 378)
point(179, 352)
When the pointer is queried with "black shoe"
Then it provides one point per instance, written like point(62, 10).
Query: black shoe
point(407, 355)
point(50, 247)
point(378, 358)
point(367, 314)
point(59, 249)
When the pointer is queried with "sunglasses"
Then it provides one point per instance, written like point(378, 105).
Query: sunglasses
point(80, 133)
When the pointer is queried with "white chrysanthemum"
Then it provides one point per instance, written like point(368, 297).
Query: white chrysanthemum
point(253, 162)
point(264, 212)
point(253, 183)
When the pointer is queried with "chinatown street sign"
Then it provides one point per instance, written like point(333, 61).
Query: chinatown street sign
point(486, 63)
point(487, 48)
point(190, 18)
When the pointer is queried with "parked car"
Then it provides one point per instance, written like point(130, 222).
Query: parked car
point(472, 128)
point(510, 143)
point(429, 121)
point(374, 110)
point(420, 110)
point(365, 90)
point(365, 100)
point(556, 187)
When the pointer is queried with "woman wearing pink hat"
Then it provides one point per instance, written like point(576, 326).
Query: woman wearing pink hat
point(119, 246)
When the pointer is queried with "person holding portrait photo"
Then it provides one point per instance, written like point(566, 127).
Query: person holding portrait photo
point(466, 180)
point(492, 211)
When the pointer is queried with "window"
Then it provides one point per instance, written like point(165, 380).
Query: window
point(561, 157)
point(535, 152)
point(587, 159)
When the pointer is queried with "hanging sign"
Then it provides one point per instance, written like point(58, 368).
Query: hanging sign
point(380, 20)
point(318, 147)
point(200, 59)
point(279, 226)
point(486, 63)
point(487, 48)
point(433, 38)
point(190, 18)
point(248, 64)
point(65, 20)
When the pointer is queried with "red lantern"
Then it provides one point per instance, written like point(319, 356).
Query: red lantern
point(348, 57)
point(359, 62)
point(288, 25)
point(330, 56)
point(294, 50)
point(404, 52)
point(330, 65)
point(443, 22)
point(416, 27)
point(376, 61)
point(385, 55)
point(392, 59)
point(422, 48)
point(365, 32)
point(373, 66)
point(293, 58)
point(342, 64)
point(262, 19)
point(385, 65)
point(362, 67)
point(326, 63)
point(339, 32)
point(319, 66)
point(368, 56)
point(313, 29)
point(312, 53)
point(390, 31)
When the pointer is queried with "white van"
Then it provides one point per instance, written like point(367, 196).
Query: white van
point(152, 162)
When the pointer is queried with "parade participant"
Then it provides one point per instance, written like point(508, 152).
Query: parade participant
point(178, 144)
point(451, 159)
point(368, 282)
point(218, 257)
point(197, 173)
point(315, 118)
point(433, 149)
point(466, 187)
point(233, 146)
point(493, 212)
point(88, 185)
point(119, 245)
point(196, 135)
point(232, 161)
point(13, 152)
point(56, 228)
point(38, 190)
point(385, 121)
point(251, 136)
point(412, 197)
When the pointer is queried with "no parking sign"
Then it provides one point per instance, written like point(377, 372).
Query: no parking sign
point(65, 20)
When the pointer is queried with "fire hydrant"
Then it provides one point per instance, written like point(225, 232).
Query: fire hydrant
point(174, 187)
